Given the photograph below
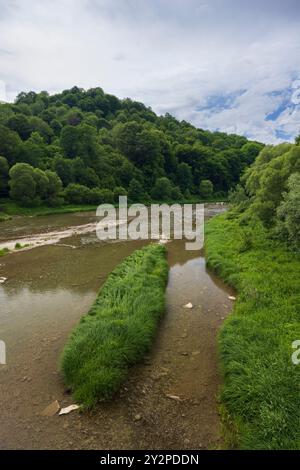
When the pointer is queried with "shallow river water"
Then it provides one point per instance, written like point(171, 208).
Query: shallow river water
point(49, 288)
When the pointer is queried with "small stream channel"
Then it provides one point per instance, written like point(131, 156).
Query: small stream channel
point(49, 288)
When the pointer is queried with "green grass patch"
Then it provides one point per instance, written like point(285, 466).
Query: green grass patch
point(4, 251)
point(4, 217)
point(11, 209)
point(261, 384)
point(119, 328)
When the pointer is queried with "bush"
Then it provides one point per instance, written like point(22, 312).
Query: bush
point(206, 189)
point(76, 194)
point(162, 189)
point(176, 194)
point(119, 328)
point(119, 191)
point(136, 192)
point(79, 194)
point(30, 186)
point(4, 168)
point(288, 213)
point(106, 196)
point(238, 196)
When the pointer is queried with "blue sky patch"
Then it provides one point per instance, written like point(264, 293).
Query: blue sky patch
point(219, 102)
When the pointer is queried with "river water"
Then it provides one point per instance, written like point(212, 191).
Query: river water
point(49, 288)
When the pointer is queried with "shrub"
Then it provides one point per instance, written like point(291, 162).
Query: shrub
point(162, 189)
point(206, 189)
point(119, 191)
point(288, 213)
point(76, 194)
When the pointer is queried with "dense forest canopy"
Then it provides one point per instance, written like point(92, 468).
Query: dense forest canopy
point(89, 147)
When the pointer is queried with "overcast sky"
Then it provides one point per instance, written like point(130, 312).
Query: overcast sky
point(229, 65)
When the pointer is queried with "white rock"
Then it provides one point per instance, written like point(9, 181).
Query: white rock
point(231, 297)
point(2, 280)
point(173, 397)
point(189, 305)
point(68, 409)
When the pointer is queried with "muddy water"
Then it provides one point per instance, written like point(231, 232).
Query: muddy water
point(46, 292)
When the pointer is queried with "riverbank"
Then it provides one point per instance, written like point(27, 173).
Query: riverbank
point(9, 208)
point(261, 384)
point(169, 400)
point(119, 328)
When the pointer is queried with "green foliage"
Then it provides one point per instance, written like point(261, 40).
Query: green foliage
point(20, 124)
point(162, 189)
point(4, 251)
point(22, 184)
point(271, 189)
point(4, 168)
point(30, 186)
point(119, 328)
point(119, 191)
point(185, 176)
point(10, 144)
point(288, 212)
point(261, 384)
point(136, 192)
point(206, 189)
point(95, 140)
point(78, 194)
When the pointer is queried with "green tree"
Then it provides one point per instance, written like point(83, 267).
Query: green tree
point(184, 176)
point(4, 168)
point(176, 194)
point(22, 184)
point(20, 124)
point(54, 188)
point(76, 194)
point(38, 125)
point(206, 189)
point(288, 212)
point(162, 189)
point(10, 144)
point(136, 192)
point(42, 183)
point(119, 191)
point(65, 169)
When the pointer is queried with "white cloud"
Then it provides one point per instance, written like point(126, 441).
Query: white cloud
point(171, 55)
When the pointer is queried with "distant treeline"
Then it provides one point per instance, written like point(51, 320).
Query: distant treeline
point(87, 147)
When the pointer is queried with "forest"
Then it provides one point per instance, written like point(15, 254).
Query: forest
point(89, 147)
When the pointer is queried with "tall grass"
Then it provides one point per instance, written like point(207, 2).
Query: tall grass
point(119, 328)
point(261, 390)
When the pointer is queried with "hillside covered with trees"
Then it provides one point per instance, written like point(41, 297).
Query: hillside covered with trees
point(88, 147)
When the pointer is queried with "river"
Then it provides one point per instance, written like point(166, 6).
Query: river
point(47, 290)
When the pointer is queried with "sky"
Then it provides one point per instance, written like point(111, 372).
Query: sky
point(228, 65)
